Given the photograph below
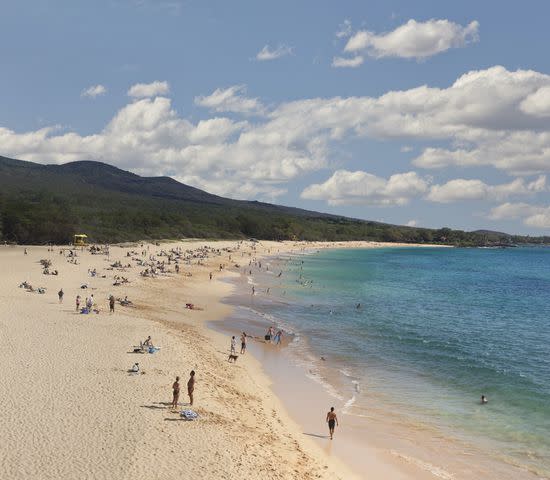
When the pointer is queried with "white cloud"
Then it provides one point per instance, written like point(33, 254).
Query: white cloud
point(476, 121)
point(94, 91)
point(414, 39)
point(362, 188)
point(144, 90)
point(531, 215)
point(462, 189)
point(538, 103)
point(268, 53)
point(230, 99)
point(343, 62)
point(412, 223)
point(344, 30)
point(148, 137)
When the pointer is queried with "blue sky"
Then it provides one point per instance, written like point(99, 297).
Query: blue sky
point(428, 112)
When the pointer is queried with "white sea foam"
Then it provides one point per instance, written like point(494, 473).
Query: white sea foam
point(318, 378)
point(433, 469)
point(348, 404)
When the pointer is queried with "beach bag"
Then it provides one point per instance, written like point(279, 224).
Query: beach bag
point(189, 415)
point(268, 337)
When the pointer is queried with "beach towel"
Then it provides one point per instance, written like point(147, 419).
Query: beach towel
point(189, 414)
point(154, 349)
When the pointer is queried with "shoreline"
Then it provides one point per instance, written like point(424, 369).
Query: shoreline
point(115, 423)
point(80, 362)
point(413, 450)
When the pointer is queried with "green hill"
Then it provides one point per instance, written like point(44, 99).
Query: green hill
point(49, 203)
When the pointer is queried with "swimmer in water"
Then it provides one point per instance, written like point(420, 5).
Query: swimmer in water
point(484, 400)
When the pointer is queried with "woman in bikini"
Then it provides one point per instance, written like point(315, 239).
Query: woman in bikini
point(176, 393)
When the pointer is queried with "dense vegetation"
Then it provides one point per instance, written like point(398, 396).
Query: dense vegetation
point(50, 203)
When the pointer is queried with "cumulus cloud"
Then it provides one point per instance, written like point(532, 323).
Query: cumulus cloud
point(412, 223)
point(343, 62)
point(362, 188)
point(538, 103)
point(230, 99)
point(476, 121)
point(462, 189)
point(94, 91)
point(414, 39)
point(268, 53)
point(144, 90)
point(149, 138)
point(531, 215)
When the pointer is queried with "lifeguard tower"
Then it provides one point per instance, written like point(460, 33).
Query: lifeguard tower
point(80, 240)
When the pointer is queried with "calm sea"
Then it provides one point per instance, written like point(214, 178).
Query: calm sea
point(427, 331)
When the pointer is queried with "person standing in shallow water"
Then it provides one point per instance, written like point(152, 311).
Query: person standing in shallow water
point(243, 343)
point(191, 386)
point(332, 421)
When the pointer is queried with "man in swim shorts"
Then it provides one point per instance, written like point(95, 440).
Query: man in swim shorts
point(332, 420)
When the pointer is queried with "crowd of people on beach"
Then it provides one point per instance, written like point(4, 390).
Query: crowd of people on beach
point(151, 265)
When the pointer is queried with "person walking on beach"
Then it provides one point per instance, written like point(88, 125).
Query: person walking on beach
point(191, 386)
point(77, 303)
point(60, 295)
point(243, 343)
point(332, 420)
point(233, 345)
point(111, 304)
point(278, 337)
point(175, 393)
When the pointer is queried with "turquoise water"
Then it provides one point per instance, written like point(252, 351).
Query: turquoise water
point(436, 328)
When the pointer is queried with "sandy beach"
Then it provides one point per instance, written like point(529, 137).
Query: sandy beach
point(71, 408)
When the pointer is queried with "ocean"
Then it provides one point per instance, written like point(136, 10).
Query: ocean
point(425, 332)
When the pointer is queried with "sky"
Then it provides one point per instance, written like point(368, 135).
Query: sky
point(425, 113)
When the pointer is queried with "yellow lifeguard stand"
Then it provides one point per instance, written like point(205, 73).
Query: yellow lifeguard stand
point(80, 240)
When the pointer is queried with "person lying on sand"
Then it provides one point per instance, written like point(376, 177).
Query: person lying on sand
point(192, 306)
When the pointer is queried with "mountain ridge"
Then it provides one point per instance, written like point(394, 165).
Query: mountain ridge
point(50, 203)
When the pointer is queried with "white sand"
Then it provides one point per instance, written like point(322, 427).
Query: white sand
point(69, 409)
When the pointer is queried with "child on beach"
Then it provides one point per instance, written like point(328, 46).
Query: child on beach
point(233, 345)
